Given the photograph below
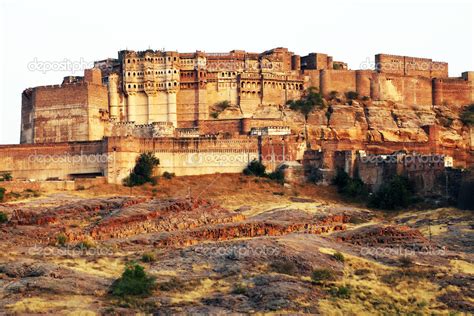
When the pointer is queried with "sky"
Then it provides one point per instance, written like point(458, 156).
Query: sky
point(35, 35)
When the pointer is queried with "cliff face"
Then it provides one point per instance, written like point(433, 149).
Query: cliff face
point(382, 121)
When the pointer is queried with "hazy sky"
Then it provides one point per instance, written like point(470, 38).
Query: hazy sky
point(37, 33)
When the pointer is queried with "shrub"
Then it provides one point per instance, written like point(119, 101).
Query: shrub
point(365, 98)
point(134, 281)
point(143, 170)
point(467, 116)
point(338, 257)
point(2, 194)
point(3, 218)
point(86, 244)
point(61, 240)
point(333, 95)
point(352, 188)
point(321, 275)
point(148, 257)
point(352, 95)
point(80, 188)
point(239, 289)
point(340, 291)
point(397, 193)
point(284, 267)
point(405, 261)
point(7, 176)
point(255, 168)
point(310, 100)
point(277, 176)
point(168, 175)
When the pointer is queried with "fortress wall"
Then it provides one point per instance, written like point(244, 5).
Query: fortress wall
point(337, 80)
point(313, 77)
point(452, 91)
point(410, 66)
point(27, 116)
point(187, 104)
point(439, 70)
point(407, 90)
point(58, 160)
point(231, 126)
point(61, 113)
point(98, 105)
point(363, 79)
point(181, 156)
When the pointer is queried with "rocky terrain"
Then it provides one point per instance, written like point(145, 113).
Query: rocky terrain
point(229, 243)
point(357, 120)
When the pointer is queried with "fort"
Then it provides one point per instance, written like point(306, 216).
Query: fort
point(214, 112)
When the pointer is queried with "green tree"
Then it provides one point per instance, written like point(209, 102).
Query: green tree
point(143, 170)
point(309, 101)
point(396, 193)
point(467, 116)
point(255, 168)
point(134, 281)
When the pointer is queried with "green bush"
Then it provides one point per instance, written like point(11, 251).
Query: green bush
point(3, 218)
point(134, 281)
point(467, 116)
point(240, 289)
point(143, 170)
point(405, 261)
point(352, 95)
point(168, 175)
point(340, 291)
point(2, 194)
point(396, 193)
point(338, 257)
point(277, 176)
point(255, 168)
point(322, 275)
point(333, 95)
point(284, 267)
point(86, 244)
point(7, 176)
point(310, 100)
point(148, 257)
point(351, 188)
point(61, 240)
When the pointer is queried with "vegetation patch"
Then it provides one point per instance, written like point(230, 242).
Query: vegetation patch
point(134, 281)
point(143, 170)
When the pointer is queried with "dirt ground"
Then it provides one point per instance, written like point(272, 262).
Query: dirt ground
point(230, 243)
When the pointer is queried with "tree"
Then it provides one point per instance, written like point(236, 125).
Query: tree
point(467, 116)
point(309, 101)
point(143, 170)
point(396, 193)
point(255, 168)
point(134, 281)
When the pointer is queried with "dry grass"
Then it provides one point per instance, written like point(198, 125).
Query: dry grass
point(372, 296)
point(103, 267)
point(66, 305)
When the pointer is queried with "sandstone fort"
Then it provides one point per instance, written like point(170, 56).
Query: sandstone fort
point(204, 113)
